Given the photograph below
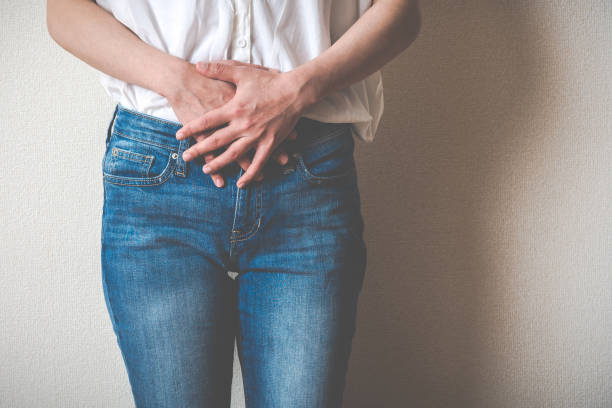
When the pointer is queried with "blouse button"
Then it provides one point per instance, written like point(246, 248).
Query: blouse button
point(242, 43)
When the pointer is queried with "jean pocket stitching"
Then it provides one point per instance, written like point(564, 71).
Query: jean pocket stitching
point(308, 176)
point(135, 157)
point(145, 141)
point(143, 181)
point(317, 179)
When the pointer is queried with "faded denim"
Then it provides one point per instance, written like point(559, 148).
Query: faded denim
point(170, 236)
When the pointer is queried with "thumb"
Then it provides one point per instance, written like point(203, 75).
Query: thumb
point(218, 70)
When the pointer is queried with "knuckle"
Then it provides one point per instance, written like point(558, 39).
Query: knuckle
point(215, 142)
point(233, 154)
point(250, 107)
point(243, 125)
point(217, 68)
point(234, 110)
point(267, 143)
point(247, 122)
point(244, 106)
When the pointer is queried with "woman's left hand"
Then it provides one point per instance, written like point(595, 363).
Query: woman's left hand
point(263, 112)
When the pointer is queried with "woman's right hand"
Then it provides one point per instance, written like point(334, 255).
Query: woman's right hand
point(193, 94)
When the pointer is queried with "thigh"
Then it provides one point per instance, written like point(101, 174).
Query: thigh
point(299, 283)
point(170, 300)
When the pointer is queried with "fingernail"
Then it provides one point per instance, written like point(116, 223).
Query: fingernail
point(206, 169)
point(240, 183)
point(179, 135)
point(284, 159)
point(218, 182)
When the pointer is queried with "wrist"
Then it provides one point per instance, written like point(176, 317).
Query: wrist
point(173, 75)
point(308, 84)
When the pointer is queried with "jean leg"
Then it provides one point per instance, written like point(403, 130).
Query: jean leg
point(171, 302)
point(301, 274)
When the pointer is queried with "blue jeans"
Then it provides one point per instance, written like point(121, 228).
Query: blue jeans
point(170, 237)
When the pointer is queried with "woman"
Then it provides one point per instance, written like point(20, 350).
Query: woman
point(288, 80)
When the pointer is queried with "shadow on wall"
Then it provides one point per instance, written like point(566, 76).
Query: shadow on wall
point(455, 104)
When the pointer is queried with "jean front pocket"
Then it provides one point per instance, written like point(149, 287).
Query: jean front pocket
point(134, 161)
point(129, 163)
point(328, 159)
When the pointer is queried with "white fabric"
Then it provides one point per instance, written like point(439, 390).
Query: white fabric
point(281, 34)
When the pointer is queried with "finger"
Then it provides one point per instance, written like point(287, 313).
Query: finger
point(231, 154)
point(246, 64)
point(280, 156)
point(217, 139)
point(257, 66)
point(245, 161)
point(209, 120)
point(219, 69)
point(216, 177)
point(292, 135)
point(262, 152)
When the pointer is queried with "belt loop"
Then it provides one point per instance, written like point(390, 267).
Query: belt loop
point(181, 166)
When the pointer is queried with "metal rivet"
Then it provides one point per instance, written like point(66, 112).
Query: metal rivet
point(174, 155)
point(114, 150)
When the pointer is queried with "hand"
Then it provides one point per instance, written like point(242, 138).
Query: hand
point(263, 112)
point(193, 95)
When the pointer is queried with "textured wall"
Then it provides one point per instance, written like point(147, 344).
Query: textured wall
point(487, 197)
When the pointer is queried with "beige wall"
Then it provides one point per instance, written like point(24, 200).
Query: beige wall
point(487, 197)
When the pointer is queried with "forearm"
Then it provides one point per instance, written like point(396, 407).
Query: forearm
point(380, 34)
point(93, 35)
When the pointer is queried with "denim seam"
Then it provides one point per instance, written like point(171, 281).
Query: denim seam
point(236, 209)
point(134, 157)
point(312, 178)
point(251, 233)
point(113, 316)
point(146, 141)
point(309, 177)
point(181, 166)
point(246, 235)
point(142, 181)
point(231, 237)
point(137, 157)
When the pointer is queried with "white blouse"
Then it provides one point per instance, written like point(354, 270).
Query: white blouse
point(281, 34)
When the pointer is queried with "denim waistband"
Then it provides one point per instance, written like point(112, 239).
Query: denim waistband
point(162, 131)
